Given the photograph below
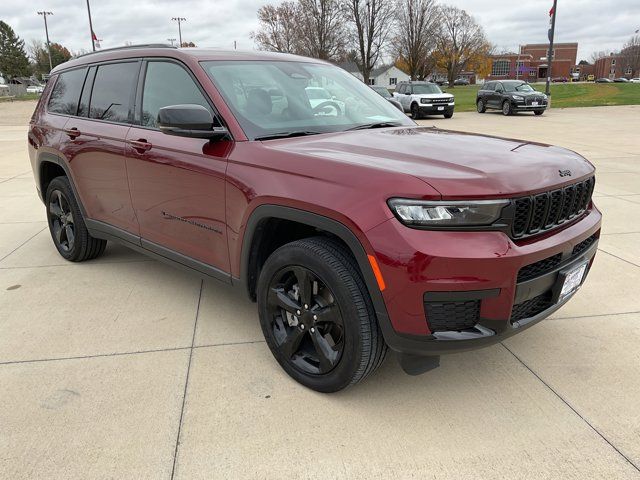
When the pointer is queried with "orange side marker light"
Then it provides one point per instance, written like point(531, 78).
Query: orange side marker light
point(377, 272)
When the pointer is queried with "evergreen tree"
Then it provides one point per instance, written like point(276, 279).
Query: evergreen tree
point(13, 58)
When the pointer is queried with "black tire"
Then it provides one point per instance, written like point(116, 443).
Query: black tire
point(480, 105)
point(538, 112)
point(415, 111)
point(507, 109)
point(66, 224)
point(448, 115)
point(336, 291)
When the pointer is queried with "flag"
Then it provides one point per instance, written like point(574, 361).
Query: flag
point(96, 42)
point(551, 12)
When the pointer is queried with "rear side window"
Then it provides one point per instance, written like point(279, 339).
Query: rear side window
point(165, 84)
point(66, 92)
point(112, 91)
point(489, 86)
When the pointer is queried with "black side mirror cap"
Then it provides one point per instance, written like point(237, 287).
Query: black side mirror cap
point(193, 121)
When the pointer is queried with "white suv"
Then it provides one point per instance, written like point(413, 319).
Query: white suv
point(424, 98)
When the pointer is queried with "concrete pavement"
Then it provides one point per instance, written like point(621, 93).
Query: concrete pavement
point(124, 367)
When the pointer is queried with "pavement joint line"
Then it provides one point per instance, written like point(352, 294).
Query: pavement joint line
point(596, 315)
point(620, 233)
point(186, 383)
point(619, 258)
point(73, 264)
point(120, 354)
point(15, 176)
point(629, 461)
point(23, 243)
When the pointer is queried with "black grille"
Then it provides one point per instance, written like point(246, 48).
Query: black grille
point(448, 316)
point(547, 210)
point(440, 100)
point(541, 101)
point(531, 308)
point(583, 245)
point(536, 269)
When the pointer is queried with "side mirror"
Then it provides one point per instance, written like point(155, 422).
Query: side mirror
point(193, 121)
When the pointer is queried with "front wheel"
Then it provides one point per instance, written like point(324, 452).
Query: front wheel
point(506, 108)
point(448, 115)
point(538, 112)
point(415, 111)
point(480, 105)
point(316, 315)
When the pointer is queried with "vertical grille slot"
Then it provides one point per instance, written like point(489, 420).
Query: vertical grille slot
point(521, 221)
point(540, 204)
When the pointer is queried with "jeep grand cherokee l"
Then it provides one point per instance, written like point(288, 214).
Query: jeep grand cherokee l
point(510, 96)
point(354, 230)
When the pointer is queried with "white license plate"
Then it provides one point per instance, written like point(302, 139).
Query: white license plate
point(440, 108)
point(573, 280)
point(535, 104)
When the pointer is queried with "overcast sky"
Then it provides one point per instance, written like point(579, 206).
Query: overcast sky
point(596, 25)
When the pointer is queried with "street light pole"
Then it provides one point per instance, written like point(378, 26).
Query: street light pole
point(179, 20)
point(550, 53)
point(46, 31)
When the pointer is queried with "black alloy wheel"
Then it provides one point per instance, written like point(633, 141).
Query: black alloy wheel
point(415, 111)
point(506, 108)
point(306, 322)
point(481, 106)
point(61, 221)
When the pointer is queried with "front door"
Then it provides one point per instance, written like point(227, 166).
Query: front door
point(177, 183)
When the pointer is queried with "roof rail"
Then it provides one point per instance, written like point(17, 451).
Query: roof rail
point(127, 47)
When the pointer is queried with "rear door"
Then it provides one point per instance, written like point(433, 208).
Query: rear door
point(496, 96)
point(177, 183)
point(94, 142)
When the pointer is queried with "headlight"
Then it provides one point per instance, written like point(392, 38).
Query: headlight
point(518, 97)
point(425, 100)
point(423, 213)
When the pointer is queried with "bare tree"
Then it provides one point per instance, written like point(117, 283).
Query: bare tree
point(279, 31)
point(322, 29)
point(418, 22)
point(595, 56)
point(631, 54)
point(461, 43)
point(372, 22)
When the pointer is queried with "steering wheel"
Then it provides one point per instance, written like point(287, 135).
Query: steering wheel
point(327, 108)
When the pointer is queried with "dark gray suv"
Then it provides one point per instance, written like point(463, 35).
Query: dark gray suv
point(510, 96)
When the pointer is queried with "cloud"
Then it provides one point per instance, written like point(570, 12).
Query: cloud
point(595, 25)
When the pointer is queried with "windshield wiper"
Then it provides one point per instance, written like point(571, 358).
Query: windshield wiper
point(374, 125)
point(274, 136)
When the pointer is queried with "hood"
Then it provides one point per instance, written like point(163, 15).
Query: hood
point(535, 93)
point(456, 164)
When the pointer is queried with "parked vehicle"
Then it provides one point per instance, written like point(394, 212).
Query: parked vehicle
point(461, 81)
point(621, 80)
point(424, 98)
point(323, 102)
point(560, 80)
point(510, 96)
point(635, 80)
point(603, 80)
point(354, 233)
point(591, 78)
point(35, 89)
point(384, 93)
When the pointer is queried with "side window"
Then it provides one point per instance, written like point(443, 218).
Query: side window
point(499, 88)
point(66, 92)
point(489, 87)
point(401, 89)
point(165, 84)
point(112, 91)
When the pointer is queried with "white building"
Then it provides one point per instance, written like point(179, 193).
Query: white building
point(384, 76)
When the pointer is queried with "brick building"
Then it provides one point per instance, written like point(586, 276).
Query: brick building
point(613, 66)
point(531, 64)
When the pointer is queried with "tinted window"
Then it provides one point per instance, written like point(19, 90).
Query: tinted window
point(112, 90)
point(168, 84)
point(426, 88)
point(66, 92)
point(489, 86)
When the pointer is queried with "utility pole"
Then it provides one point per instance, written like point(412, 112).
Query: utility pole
point(46, 31)
point(552, 30)
point(171, 40)
point(93, 42)
point(179, 20)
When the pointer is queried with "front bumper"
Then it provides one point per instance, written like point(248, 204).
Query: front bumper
point(460, 268)
point(436, 108)
point(524, 105)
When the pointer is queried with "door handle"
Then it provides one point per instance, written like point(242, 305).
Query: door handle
point(73, 132)
point(140, 145)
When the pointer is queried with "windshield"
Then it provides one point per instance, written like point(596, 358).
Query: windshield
point(382, 91)
point(517, 87)
point(427, 88)
point(276, 98)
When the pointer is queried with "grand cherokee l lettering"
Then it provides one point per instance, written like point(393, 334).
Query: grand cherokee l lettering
point(354, 229)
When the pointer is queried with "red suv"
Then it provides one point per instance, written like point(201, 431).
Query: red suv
point(353, 228)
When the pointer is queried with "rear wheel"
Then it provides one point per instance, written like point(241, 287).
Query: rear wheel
point(66, 224)
point(316, 315)
point(415, 111)
point(481, 106)
point(538, 112)
point(506, 108)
